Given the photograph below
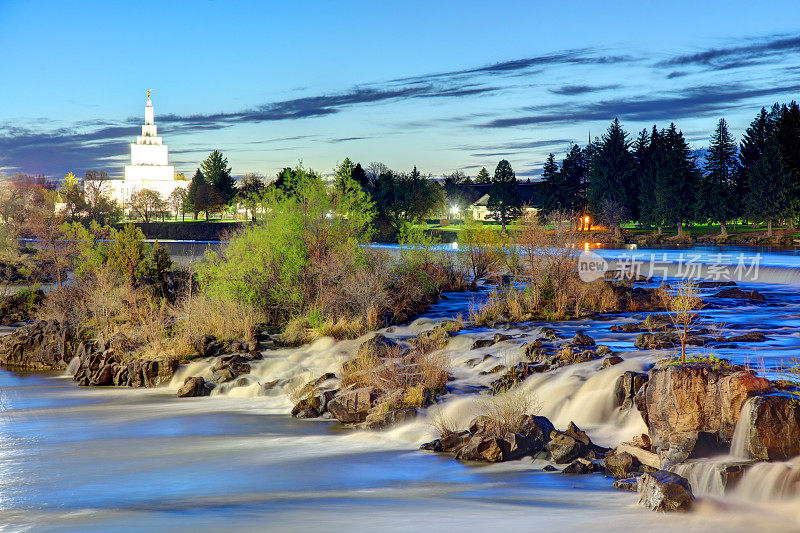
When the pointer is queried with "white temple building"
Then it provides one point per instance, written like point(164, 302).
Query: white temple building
point(149, 168)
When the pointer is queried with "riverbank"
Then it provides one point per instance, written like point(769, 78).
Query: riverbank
point(360, 463)
point(236, 459)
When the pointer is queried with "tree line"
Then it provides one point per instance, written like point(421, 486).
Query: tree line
point(656, 179)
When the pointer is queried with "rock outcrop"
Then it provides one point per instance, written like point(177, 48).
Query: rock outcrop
point(770, 428)
point(43, 345)
point(484, 443)
point(681, 400)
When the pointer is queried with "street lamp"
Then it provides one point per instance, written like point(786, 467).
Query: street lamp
point(586, 223)
point(453, 211)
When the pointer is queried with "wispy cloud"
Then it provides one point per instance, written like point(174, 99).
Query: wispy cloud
point(573, 90)
point(752, 53)
point(692, 102)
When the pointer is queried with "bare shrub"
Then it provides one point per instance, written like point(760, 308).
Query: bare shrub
point(508, 409)
point(64, 304)
point(441, 423)
point(480, 249)
point(417, 374)
point(682, 307)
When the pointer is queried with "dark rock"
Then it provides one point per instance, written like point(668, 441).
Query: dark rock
point(664, 491)
point(537, 429)
point(603, 350)
point(739, 294)
point(549, 468)
point(500, 337)
point(770, 428)
point(482, 343)
point(611, 360)
point(452, 442)
point(207, 346)
point(578, 467)
point(753, 336)
point(307, 413)
point(192, 386)
point(619, 465)
point(582, 340)
point(481, 448)
point(690, 445)
point(626, 387)
point(564, 449)
point(516, 374)
point(627, 484)
point(352, 406)
point(380, 346)
point(390, 418)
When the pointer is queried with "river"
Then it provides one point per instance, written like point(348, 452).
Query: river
point(81, 459)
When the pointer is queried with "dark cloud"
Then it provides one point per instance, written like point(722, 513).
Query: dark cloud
point(515, 66)
point(676, 74)
point(64, 149)
point(573, 90)
point(319, 106)
point(753, 53)
point(345, 139)
point(692, 102)
point(50, 152)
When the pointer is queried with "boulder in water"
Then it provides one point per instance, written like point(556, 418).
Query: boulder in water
point(739, 294)
point(611, 360)
point(752, 336)
point(352, 406)
point(564, 448)
point(482, 343)
point(626, 387)
point(582, 340)
point(664, 491)
point(389, 418)
point(192, 386)
point(695, 397)
point(769, 428)
point(620, 465)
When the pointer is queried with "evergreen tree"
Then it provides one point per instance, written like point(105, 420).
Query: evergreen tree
point(218, 174)
point(676, 180)
point(613, 193)
point(360, 176)
point(767, 189)
point(787, 137)
point(574, 170)
point(551, 185)
point(191, 193)
point(717, 199)
point(505, 203)
point(483, 176)
point(343, 173)
point(646, 152)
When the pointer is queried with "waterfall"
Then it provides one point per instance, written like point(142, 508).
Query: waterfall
point(740, 444)
point(771, 481)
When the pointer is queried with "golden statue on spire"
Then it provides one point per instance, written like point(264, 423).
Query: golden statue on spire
point(148, 94)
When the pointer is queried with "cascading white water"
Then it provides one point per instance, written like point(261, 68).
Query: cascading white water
point(771, 481)
point(581, 393)
point(740, 446)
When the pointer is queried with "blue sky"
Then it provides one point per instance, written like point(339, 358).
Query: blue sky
point(440, 85)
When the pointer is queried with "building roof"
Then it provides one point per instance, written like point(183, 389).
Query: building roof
point(477, 194)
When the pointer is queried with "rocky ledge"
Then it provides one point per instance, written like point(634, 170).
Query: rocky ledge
point(48, 345)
